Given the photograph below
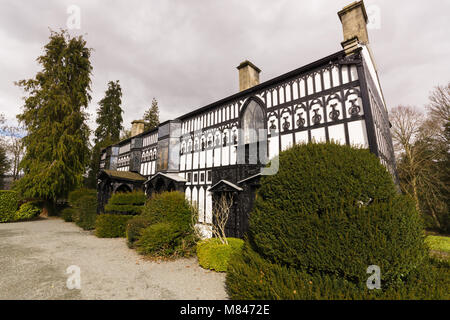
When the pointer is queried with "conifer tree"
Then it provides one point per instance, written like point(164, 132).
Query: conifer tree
point(57, 141)
point(151, 116)
point(109, 121)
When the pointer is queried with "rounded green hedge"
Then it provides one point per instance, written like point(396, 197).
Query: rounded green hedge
point(169, 206)
point(9, 203)
point(27, 211)
point(134, 229)
point(67, 214)
point(332, 211)
point(251, 277)
point(130, 203)
point(158, 239)
point(213, 254)
point(111, 225)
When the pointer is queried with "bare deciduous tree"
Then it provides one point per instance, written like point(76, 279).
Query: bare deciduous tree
point(221, 214)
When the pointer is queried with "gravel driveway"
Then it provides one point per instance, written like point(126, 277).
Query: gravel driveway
point(34, 257)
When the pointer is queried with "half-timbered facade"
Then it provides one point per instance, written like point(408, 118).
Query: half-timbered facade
point(221, 148)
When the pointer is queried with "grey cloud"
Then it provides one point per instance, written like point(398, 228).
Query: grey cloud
point(185, 53)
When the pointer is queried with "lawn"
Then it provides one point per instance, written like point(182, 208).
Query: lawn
point(439, 245)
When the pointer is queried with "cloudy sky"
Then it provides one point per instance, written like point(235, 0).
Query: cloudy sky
point(185, 53)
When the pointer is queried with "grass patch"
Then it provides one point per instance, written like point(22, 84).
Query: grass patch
point(439, 247)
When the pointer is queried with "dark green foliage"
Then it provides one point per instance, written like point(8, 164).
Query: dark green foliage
point(126, 203)
point(111, 225)
point(87, 212)
point(57, 141)
point(329, 213)
point(134, 229)
point(4, 164)
point(77, 194)
point(151, 116)
point(215, 255)
point(251, 277)
point(169, 232)
point(169, 206)
point(109, 121)
point(28, 210)
point(343, 242)
point(67, 214)
point(9, 203)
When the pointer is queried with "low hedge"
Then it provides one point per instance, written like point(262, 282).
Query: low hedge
point(86, 212)
point(134, 229)
point(130, 203)
point(68, 214)
point(213, 254)
point(76, 195)
point(27, 211)
point(251, 277)
point(111, 225)
point(164, 239)
point(9, 203)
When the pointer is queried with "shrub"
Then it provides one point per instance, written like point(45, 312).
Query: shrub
point(67, 214)
point(169, 206)
point(130, 203)
point(9, 202)
point(164, 239)
point(315, 224)
point(134, 229)
point(28, 211)
point(75, 196)
point(213, 254)
point(111, 225)
point(169, 231)
point(86, 212)
point(330, 212)
point(251, 277)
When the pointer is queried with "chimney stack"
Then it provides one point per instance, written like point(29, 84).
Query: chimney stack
point(354, 24)
point(137, 127)
point(248, 75)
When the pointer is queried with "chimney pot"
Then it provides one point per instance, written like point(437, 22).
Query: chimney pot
point(248, 75)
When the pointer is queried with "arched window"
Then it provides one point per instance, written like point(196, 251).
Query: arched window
point(252, 122)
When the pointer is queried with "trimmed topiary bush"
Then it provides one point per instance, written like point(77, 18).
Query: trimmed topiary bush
point(251, 277)
point(67, 214)
point(330, 212)
point(9, 203)
point(130, 203)
point(158, 239)
point(134, 229)
point(169, 206)
point(111, 225)
point(213, 254)
point(27, 211)
point(87, 212)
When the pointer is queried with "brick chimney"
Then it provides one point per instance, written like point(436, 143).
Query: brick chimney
point(248, 75)
point(354, 24)
point(137, 127)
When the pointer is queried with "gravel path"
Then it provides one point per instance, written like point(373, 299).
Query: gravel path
point(34, 257)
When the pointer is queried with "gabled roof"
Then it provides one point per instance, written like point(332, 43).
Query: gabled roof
point(228, 185)
point(250, 178)
point(172, 176)
point(124, 175)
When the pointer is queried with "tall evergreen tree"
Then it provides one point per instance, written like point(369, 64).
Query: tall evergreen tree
point(57, 141)
point(109, 115)
point(109, 121)
point(151, 116)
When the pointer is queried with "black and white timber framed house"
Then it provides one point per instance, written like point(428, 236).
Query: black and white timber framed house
point(214, 150)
